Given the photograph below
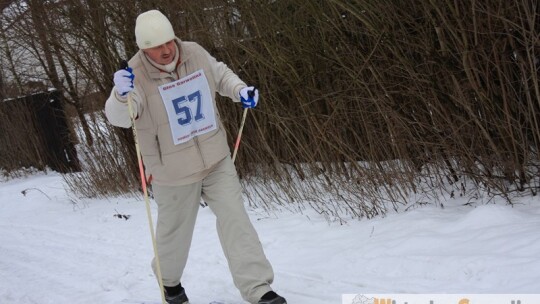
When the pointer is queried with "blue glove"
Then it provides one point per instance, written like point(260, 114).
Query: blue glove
point(123, 81)
point(249, 97)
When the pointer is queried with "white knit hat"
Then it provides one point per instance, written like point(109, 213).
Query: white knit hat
point(152, 28)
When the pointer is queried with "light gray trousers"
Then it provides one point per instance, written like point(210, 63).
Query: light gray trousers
point(177, 211)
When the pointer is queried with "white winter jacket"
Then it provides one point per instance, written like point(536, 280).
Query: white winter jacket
point(167, 163)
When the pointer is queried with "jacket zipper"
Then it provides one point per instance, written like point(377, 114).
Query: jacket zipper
point(196, 140)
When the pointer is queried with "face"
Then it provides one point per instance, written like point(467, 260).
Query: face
point(162, 54)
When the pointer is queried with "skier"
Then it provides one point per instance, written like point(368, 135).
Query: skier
point(172, 84)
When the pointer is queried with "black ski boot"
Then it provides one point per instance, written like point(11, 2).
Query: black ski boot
point(176, 295)
point(272, 298)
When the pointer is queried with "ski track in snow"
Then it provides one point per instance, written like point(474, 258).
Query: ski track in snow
point(56, 249)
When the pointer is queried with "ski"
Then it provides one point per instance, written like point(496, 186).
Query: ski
point(130, 301)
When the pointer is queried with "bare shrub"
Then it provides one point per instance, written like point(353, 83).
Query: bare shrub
point(365, 105)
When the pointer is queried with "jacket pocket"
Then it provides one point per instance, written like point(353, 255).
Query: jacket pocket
point(148, 142)
point(166, 143)
point(214, 147)
point(181, 164)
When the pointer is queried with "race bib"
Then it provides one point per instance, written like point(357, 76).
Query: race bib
point(189, 106)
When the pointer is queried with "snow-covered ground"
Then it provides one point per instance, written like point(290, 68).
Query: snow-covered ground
point(55, 248)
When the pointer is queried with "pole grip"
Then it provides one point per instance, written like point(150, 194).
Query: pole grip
point(251, 93)
point(123, 64)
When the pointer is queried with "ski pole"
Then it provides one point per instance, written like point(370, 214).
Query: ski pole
point(251, 93)
point(124, 65)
